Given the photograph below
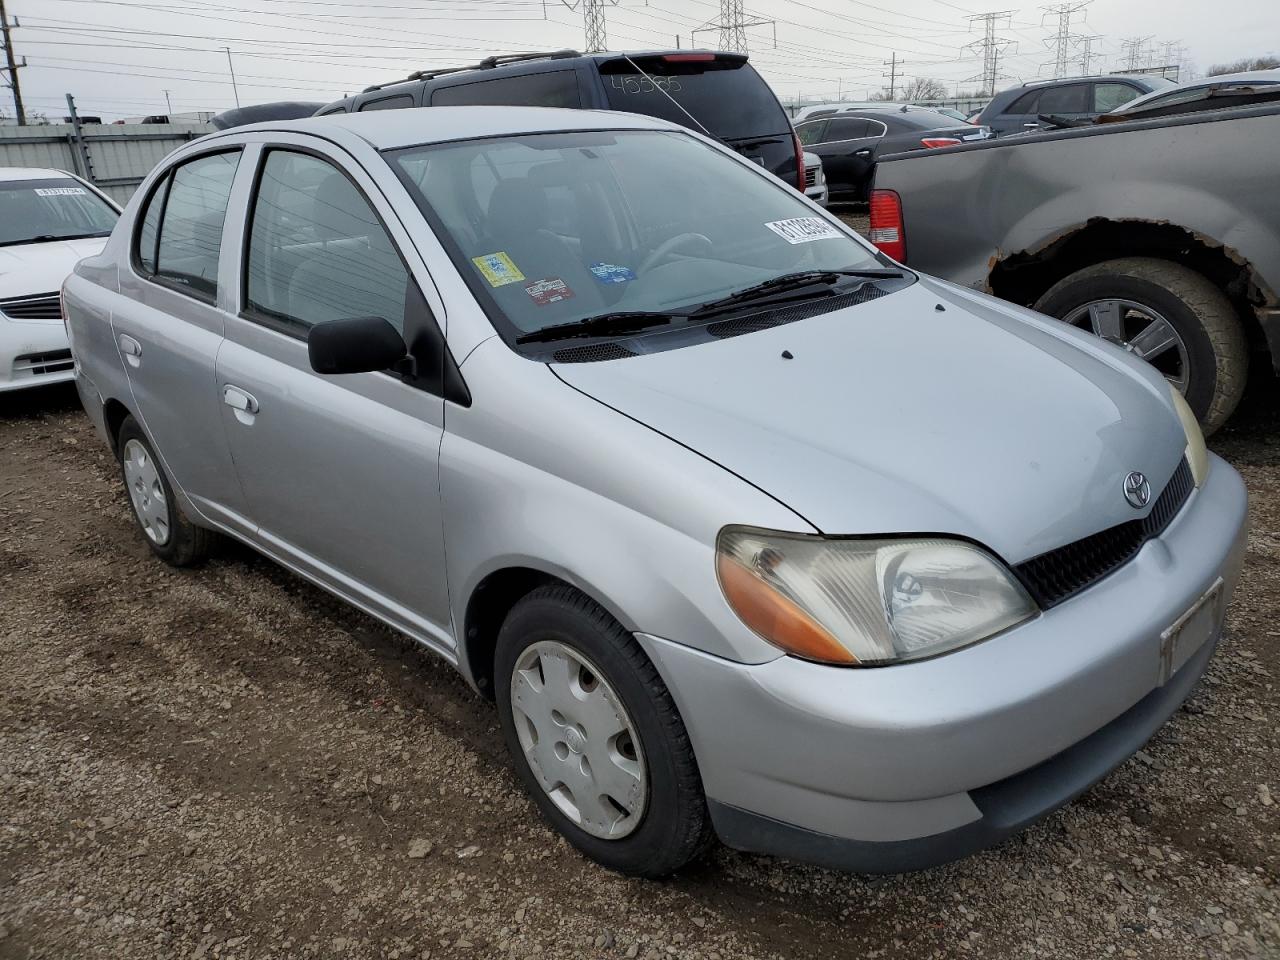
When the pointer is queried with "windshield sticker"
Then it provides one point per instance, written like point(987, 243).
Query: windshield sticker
point(548, 291)
point(612, 272)
point(498, 269)
point(61, 191)
point(803, 229)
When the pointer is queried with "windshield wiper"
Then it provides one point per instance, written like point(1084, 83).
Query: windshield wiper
point(50, 237)
point(788, 282)
point(604, 325)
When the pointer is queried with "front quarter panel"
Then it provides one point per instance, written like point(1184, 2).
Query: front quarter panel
point(536, 474)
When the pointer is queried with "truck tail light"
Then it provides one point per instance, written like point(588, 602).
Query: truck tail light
point(887, 229)
point(799, 162)
point(934, 142)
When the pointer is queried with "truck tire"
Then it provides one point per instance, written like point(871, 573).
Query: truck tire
point(1210, 336)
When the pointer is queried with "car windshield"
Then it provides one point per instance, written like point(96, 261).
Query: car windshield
point(555, 228)
point(53, 208)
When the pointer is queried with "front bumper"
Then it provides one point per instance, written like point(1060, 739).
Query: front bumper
point(33, 354)
point(890, 769)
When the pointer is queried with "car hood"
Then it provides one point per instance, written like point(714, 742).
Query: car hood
point(980, 420)
point(35, 268)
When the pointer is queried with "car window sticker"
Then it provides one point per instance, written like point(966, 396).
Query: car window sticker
point(803, 229)
point(611, 272)
point(498, 268)
point(548, 290)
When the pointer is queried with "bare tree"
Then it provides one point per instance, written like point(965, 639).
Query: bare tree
point(1243, 66)
point(924, 88)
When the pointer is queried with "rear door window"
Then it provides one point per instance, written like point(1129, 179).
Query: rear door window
point(1070, 98)
point(1024, 105)
point(190, 233)
point(726, 96)
point(847, 128)
point(388, 103)
point(812, 132)
point(555, 88)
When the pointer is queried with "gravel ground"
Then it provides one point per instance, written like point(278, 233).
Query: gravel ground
point(225, 762)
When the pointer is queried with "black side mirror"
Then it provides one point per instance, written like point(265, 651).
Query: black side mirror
point(358, 345)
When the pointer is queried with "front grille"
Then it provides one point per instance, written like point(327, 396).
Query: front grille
point(44, 306)
point(1060, 574)
point(39, 364)
point(776, 318)
point(810, 176)
point(593, 353)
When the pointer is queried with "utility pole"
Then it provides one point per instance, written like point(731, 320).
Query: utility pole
point(1060, 43)
point(990, 46)
point(592, 22)
point(13, 65)
point(732, 26)
point(1087, 54)
point(167, 103)
point(892, 64)
point(1134, 50)
point(230, 66)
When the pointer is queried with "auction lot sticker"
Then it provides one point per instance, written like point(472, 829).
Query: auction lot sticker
point(61, 191)
point(550, 290)
point(803, 229)
point(498, 269)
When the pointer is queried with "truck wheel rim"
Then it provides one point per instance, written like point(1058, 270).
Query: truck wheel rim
point(142, 477)
point(579, 740)
point(1142, 331)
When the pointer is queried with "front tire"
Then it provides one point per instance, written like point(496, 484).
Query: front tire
point(170, 535)
point(1169, 315)
point(595, 736)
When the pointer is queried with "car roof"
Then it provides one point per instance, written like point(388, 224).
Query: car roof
point(31, 173)
point(390, 129)
point(1250, 76)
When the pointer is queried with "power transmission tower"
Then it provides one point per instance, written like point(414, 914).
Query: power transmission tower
point(893, 65)
point(13, 65)
point(1135, 52)
point(1087, 54)
point(593, 21)
point(1060, 43)
point(990, 45)
point(732, 26)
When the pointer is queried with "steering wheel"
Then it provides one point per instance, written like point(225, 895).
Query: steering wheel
point(668, 247)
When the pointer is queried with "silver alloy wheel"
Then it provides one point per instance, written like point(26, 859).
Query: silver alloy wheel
point(1140, 330)
point(579, 740)
point(142, 477)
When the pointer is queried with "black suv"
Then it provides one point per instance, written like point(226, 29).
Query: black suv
point(719, 94)
point(1075, 98)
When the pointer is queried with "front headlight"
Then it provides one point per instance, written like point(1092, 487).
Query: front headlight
point(1196, 453)
point(866, 602)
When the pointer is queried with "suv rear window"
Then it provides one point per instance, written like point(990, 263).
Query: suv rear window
point(555, 88)
point(723, 94)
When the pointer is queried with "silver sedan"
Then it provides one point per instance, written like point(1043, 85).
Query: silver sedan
point(748, 530)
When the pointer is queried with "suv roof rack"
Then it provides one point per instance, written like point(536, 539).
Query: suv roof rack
point(488, 63)
point(1086, 76)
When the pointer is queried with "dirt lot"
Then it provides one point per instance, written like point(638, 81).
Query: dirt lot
point(227, 763)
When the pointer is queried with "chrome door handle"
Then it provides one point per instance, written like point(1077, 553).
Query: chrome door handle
point(242, 402)
point(131, 349)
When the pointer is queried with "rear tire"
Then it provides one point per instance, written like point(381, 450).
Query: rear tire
point(170, 535)
point(672, 826)
point(1204, 319)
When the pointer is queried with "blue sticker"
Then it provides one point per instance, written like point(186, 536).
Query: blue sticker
point(612, 273)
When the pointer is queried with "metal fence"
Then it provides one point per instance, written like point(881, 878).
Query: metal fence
point(114, 157)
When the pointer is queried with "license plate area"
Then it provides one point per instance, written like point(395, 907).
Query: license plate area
point(1189, 632)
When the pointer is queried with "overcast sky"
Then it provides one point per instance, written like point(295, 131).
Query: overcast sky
point(118, 57)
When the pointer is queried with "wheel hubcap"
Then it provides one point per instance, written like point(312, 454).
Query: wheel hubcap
point(579, 740)
point(142, 477)
point(1140, 330)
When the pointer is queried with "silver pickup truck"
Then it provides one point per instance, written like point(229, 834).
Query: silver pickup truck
point(1159, 234)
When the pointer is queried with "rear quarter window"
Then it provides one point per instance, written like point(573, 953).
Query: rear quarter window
point(556, 88)
point(388, 103)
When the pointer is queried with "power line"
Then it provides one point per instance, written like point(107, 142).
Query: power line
point(1061, 42)
point(732, 25)
point(991, 46)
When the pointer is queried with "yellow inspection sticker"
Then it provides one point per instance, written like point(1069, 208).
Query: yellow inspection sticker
point(498, 268)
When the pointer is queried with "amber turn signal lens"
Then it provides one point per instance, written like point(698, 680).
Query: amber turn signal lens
point(775, 617)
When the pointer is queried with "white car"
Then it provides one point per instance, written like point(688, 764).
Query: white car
point(49, 220)
point(815, 180)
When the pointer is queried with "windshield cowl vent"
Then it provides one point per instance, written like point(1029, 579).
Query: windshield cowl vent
point(776, 318)
point(592, 353)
